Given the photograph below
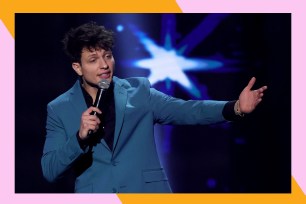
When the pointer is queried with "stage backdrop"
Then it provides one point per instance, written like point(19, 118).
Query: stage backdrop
point(189, 56)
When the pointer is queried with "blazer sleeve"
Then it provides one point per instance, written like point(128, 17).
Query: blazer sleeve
point(60, 149)
point(170, 110)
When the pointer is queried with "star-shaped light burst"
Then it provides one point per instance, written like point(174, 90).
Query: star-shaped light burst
point(167, 63)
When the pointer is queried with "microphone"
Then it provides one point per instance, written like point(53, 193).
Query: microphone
point(102, 86)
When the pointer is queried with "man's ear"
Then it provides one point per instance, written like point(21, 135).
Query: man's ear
point(77, 68)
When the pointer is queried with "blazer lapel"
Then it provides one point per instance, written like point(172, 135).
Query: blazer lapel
point(120, 94)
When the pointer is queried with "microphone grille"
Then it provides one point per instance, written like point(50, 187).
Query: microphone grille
point(103, 84)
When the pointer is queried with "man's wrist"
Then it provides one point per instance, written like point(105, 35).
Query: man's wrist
point(237, 109)
point(83, 143)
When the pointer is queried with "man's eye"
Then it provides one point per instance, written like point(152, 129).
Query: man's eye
point(109, 56)
point(92, 60)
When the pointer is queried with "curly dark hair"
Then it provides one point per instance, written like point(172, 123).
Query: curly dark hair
point(89, 36)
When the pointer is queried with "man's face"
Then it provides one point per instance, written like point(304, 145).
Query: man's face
point(96, 64)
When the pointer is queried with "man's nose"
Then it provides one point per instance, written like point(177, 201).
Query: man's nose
point(103, 64)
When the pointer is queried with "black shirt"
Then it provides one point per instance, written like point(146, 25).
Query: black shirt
point(108, 118)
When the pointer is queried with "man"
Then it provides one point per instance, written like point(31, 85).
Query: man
point(120, 154)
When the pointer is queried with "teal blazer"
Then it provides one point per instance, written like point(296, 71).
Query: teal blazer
point(133, 166)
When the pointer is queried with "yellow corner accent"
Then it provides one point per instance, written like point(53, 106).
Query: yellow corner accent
point(297, 192)
point(9, 8)
point(296, 197)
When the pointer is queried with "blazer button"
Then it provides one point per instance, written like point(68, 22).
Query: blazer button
point(114, 163)
point(114, 190)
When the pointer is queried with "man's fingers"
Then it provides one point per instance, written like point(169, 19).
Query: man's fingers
point(91, 109)
point(92, 118)
point(262, 89)
point(251, 83)
point(91, 124)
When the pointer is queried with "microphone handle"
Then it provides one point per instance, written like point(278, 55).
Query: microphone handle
point(96, 104)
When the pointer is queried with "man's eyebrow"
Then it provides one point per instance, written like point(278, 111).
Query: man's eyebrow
point(92, 54)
